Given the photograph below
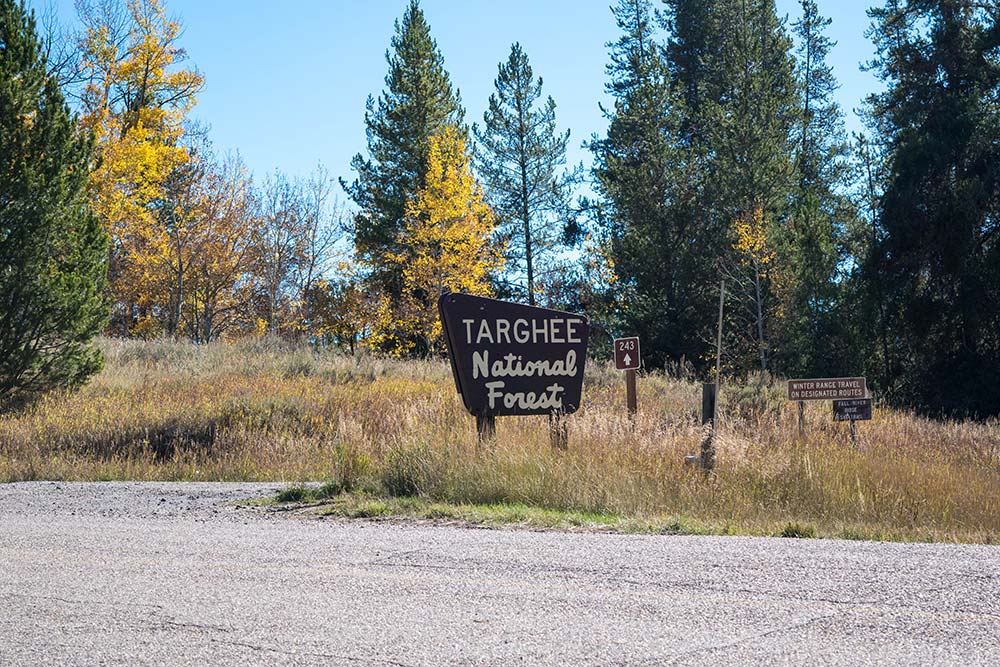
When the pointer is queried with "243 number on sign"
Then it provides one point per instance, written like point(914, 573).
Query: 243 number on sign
point(627, 356)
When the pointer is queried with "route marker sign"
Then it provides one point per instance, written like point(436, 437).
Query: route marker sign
point(827, 389)
point(627, 357)
point(852, 410)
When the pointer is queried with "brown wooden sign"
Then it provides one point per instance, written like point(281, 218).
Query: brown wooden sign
point(852, 410)
point(627, 354)
point(512, 359)
point(826, 389)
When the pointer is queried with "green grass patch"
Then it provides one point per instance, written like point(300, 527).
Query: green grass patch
point(329, 501)
point(366, 506)
point(308, 494)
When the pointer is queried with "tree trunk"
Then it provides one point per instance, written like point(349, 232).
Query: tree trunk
point(760, 319)
point(526, 219)
point(175, 317)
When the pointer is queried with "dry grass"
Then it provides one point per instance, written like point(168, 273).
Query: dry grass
point(264, 411)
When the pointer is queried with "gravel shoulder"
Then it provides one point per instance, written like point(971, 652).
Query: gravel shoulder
point(165, 573)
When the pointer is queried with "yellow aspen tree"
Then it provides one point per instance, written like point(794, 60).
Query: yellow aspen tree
point(135, 100)
point(171, 246)
point(754, 272)
point(220, 290)
point(448, 247)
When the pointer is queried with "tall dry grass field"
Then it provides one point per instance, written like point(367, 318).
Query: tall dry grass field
point(266, 411)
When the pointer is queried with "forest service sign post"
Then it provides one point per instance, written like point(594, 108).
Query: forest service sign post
point(509, 359)
point(852, 410)
point(627, 359)
point(842, 391)
point(627, 354)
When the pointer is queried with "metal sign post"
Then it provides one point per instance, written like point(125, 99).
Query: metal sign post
point(707, 456)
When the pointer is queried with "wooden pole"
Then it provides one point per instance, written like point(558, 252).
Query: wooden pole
point(486, 428)
point(802, 418)
point(854, 435)
point(558, 431)
point(630, 397)
point(708, 445)
point(718, 350)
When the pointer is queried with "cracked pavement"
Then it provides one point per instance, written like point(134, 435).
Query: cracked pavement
point(177, 574)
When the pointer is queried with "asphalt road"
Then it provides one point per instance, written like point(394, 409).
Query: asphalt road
point(137, 574)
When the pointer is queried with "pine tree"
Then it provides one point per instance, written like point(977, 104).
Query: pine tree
point(53, 251)
point(692, 45)
point(936, 260)
point(417, 102)
point(748, 114)
point(646, 177)
point(817, 341)
point(520, 156)
point(752, 109)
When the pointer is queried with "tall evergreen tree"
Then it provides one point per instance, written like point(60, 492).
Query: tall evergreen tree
point(936, 259)
point(748, 111)
point(520, 157)
point(418, 101)
point(647, 180)
point(692, 46)
point(817, 339)
point(751, 100)
point(53, 251)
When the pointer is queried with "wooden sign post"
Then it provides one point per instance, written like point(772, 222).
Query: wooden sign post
point(510, 359)
point(710, 398)
point(628, 359)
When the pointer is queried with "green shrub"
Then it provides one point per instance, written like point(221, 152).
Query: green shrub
point(798, 530)
point(403, 471)
point(293, 494)
point(756, 397)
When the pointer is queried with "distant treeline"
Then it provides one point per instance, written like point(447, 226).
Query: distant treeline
point(725, 160)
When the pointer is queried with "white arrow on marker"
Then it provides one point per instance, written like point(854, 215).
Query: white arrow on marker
point(628, 360)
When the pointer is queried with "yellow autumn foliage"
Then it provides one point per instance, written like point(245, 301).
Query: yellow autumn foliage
point(448, 247)
point(135, 102)
point(751, 241)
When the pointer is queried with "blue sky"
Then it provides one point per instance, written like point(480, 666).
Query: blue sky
point(286, 82)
